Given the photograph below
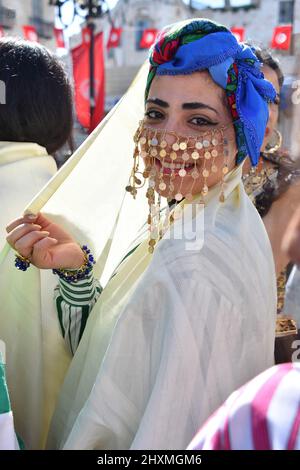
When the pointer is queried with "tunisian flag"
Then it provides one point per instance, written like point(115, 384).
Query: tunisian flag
point(148, 38)
point(81, 74)
point(30, 33)
point(239, 33)
point(114, 37)
point(282, 37)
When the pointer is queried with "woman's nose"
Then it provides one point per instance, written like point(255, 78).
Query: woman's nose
point(172, 129)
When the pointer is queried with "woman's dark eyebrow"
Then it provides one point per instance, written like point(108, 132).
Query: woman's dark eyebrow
point(193, 105)
point(196, 105)
point(161, 103)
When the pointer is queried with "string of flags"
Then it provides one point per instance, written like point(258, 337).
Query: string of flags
point(281, 38)
point(30, 33)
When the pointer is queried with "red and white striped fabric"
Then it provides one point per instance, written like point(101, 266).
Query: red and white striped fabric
point(262, 415)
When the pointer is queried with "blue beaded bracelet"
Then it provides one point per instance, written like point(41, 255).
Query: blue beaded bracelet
point(70, 275)
point(22, 263)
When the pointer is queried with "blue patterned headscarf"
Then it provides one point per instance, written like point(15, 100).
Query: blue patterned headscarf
point(199, 44)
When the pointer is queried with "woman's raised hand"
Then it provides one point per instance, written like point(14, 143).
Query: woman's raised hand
point(46, 244)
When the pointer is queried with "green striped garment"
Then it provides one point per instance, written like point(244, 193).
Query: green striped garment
point(74, 303)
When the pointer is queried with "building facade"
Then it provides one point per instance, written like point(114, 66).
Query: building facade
point(258, 17)
point(14, 14)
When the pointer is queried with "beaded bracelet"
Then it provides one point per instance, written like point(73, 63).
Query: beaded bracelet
point(22, 263)
point(81, 273)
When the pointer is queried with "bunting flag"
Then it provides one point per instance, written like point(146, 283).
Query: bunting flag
point(282, 37)
point(239, 33)
point(1, 32)
point(30, 33)
point(81, 73)
point(148, 38)
point(114, 38)
point(59, 36)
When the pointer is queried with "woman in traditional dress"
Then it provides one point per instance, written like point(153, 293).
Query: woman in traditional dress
point(191, 310)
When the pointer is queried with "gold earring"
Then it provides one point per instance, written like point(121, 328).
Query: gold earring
point(273, 146)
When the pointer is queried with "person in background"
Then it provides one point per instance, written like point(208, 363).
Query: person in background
point(291, 246)
point(264, 414)
point(273, 188)
point(36, 120)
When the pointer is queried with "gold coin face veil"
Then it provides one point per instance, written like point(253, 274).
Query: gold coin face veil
point(173, 164)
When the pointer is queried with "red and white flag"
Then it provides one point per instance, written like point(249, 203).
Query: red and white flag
point(239, 33)
point(30, 33)
point(59, 36)
point(114, 38)
point(81, 73)
point(148, 38)
point(86, 35)
point(282, 36)
point(1, 32)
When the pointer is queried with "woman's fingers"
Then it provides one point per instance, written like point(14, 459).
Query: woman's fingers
point(39, 219)
point(20, 231)
point(15, 224)
point(25, 245)
point(28, 219)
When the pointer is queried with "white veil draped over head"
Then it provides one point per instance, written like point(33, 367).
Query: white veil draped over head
point(87, 196)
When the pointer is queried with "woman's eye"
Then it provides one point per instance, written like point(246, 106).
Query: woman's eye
point(200, 121)
point(152, 114)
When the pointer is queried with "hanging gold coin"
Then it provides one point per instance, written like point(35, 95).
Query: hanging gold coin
point(225, 170)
